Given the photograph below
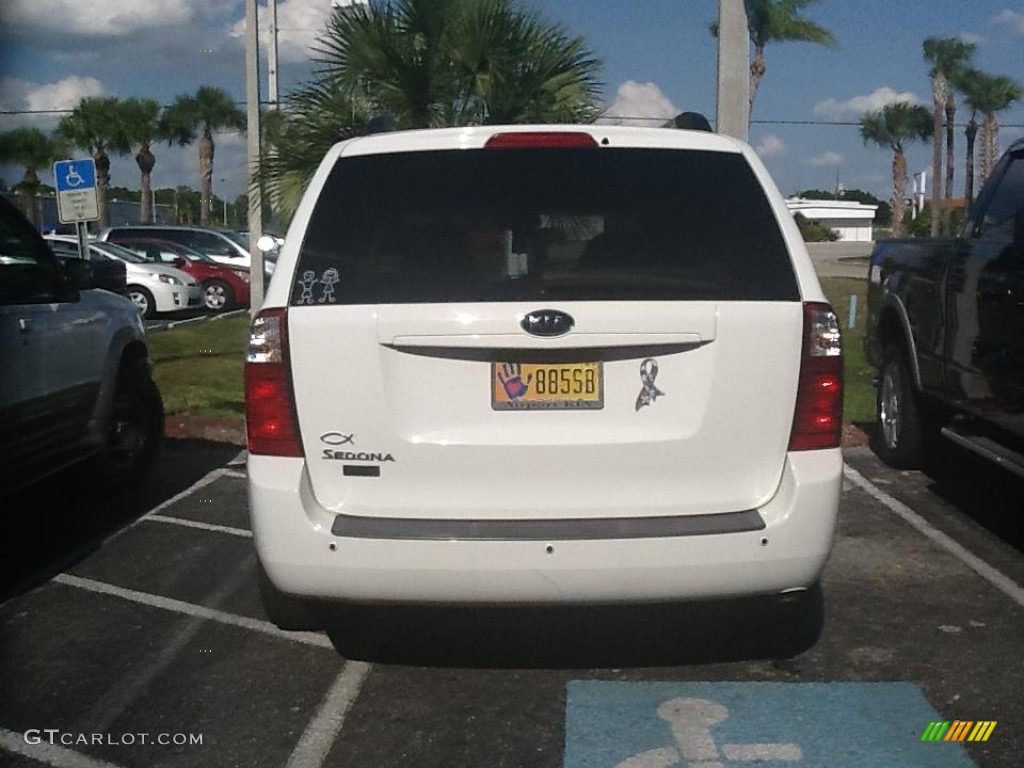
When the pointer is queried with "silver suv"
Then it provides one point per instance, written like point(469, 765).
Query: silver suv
point(74, 383)
point(542, 365)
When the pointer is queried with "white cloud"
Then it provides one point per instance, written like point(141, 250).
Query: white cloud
point(108, 18)
point(1011, 19)
point(826, 159)
point(17, 94)
point(64, 94)
point(643, 102)
point(770, 146)
point(970, 37)
point(855, 108)
point(299, 23)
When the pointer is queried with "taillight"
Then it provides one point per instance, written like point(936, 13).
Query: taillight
point(540, 140)
point(818, 419)
point(269, 406)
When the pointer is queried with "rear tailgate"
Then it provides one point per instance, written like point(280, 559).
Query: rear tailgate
point(399, 389)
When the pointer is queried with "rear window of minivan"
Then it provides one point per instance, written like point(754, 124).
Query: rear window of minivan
point(577, 224)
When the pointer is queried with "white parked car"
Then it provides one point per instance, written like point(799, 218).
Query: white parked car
point(153, 288)
point(223, 245)
point(540, 365)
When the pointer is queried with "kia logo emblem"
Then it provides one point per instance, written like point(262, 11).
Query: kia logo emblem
point(547, 322)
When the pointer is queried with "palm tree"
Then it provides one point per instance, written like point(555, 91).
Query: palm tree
point(32, 149)
point(296, 138)
point(986, 94)
point(457, 62)
point(778, 21)
point(143, 123)
point(893, 127)
point(949, 57)
point(209, 110)
point(94, 125)
point(427, 63)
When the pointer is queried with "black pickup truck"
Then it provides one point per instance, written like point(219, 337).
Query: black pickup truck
point(945, 329)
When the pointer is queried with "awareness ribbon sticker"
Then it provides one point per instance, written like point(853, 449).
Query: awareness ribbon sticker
point(648, 392)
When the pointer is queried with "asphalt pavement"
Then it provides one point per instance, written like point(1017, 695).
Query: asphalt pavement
point(134, 621)
point(841, 259)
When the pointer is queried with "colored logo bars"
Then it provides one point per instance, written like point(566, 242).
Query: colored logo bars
point(959, 730)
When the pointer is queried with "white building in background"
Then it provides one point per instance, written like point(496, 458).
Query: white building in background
point(852, 220)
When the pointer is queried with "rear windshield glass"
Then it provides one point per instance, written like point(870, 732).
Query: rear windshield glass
point(530, 224)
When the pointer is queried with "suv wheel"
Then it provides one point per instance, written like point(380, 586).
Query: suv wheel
point(799, 619)
point(217, 295)
point(899, 421)
point(287, 612)
point(143, 301)
point(134, 432)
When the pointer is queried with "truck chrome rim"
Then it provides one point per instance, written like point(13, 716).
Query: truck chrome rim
point(889, 408)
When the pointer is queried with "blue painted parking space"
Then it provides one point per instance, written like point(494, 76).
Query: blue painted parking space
point(768, 724)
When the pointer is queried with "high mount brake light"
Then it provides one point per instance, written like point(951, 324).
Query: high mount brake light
point(269, 404)
point(818, 417)
point(540, 140)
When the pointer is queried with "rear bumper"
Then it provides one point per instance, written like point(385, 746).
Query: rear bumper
point(302, 556)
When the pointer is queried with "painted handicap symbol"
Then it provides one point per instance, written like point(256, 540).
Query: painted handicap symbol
point(691, 721)
point(73, 179)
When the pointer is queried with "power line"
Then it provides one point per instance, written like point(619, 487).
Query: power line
point(603, 117)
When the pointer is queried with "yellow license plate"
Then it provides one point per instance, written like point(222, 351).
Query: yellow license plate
point(539, 386)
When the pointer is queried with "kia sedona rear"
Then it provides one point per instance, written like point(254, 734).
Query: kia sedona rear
point(536, 365)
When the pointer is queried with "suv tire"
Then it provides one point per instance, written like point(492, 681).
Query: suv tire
point(285, 611)
point(134, 431)
point(799, 619)
point(899, 420)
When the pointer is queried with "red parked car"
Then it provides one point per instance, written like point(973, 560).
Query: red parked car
point(223, 286)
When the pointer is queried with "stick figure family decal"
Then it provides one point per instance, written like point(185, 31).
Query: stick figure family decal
point(309, 281)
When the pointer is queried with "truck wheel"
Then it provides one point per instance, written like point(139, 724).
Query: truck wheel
point(287, 612)
point(133, 433)
point(899, 423)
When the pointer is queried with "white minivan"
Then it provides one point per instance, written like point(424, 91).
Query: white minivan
point(542, 364)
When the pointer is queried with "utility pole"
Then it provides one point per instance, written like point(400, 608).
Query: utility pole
point(272, 55)
point(733, 69)
point(252, 98)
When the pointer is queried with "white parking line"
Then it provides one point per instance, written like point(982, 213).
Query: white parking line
point(189, 609)
point(995, 577)
point(235, 473)
point(196, 524)
point(323, 729)
point(205, 480)
point(129, 687)
point(50, 754)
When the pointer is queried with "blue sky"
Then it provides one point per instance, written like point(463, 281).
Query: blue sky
point(658, 59)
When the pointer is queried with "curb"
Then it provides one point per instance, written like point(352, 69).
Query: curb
point(170, 325)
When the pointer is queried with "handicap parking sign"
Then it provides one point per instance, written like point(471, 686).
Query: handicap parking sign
point(76, 190)
point(770, 725)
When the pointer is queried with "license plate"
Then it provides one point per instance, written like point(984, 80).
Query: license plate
point(551, 386)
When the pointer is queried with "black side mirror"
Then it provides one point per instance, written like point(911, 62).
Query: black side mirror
point(78, 273)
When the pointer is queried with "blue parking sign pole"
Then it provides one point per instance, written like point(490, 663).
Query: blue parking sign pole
point(83, 245)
